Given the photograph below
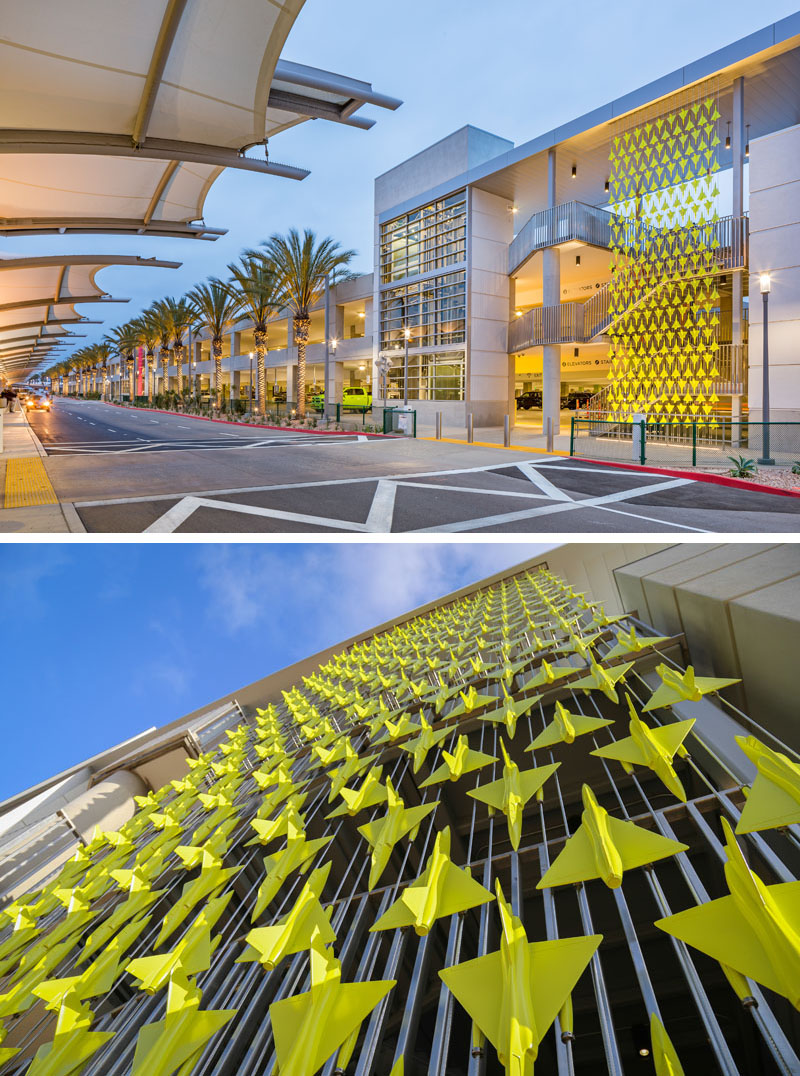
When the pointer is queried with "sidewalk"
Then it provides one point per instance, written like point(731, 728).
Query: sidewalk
point(28, 502)
point(524, 438)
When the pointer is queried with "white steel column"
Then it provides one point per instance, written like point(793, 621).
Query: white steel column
point(737, 304)
point(551, 296)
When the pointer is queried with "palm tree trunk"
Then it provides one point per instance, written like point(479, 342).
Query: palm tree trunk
point(301, 325)
point(165, 369)
point(261, 373)
point(216, 348)
point(151, 374)
point(131, 380)
point(178, 349)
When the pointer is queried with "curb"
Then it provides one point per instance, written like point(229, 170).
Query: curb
point(701, 476)
point(247, 425)
point(492, 444)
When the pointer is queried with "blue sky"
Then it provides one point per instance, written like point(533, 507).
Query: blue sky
point(514, 67)
point(104, 641)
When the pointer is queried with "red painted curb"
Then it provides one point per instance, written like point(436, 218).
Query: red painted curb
point(248, 425)
point(701, 476)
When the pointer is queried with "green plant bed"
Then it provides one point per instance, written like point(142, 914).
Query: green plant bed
point(742, 467)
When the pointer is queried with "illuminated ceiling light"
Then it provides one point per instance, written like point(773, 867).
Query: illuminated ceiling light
point(576, 352)
point(747, 141)
point(574, 171)
point(606, 186)
point(577, 259)
point(517, 313)
point(728, 136)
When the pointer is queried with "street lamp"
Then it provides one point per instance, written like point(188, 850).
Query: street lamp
point(765, 461)
point(251, 384)
point(326, 405)
point(407, 335)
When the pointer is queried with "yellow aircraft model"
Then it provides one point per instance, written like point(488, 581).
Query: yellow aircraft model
point(293, 933)
point(654, 748)
point(682, 687)
point(509, 711)
point(396, 730)
point(207, 884)
point(665, 1059)
point(602, 679)
point(774, 799)
point(442, 889)
point(548, 674)
point(297, 855)
point(370, 793)
point(310, 1027)
point(268, 829)
point(470, 700)
point(192, 953)
point(462, 760)
point(515, 993)
point(564, 727)
point(384, 833)
point(755, 930)
point(512, 792)
point(605, 847)
point(419, 747)
point(631, 643)
point(350, 768)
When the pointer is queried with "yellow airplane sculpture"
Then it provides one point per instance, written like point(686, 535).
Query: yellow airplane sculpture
point(665, 1059)
point(207, 884)
point(755, 930)
point(462, 760)
point(442, 889)
point(350, 768)
point(384, 833)
point(310, 1027)
point(605, 847)
point(509, 712)
point(564, 727)
point(396, 730)
point(512, 792)
point(602, 679)
point(682, 687)
point(174, 1044)
point(269, 829)
point(651, 747)
point(515, 993)
point(296, 856)
point(19, 997)
point(548, 674)
point(470, 700)
point(370, 793)
point(774, 799)
point(419, 747)
point(73, 1043)
point(631, 643)
point(293, 933)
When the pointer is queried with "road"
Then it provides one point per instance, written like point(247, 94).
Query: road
point(129, 471)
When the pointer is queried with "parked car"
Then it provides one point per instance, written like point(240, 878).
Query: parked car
point(357, 397)
point(527, 400)
point(577, 399)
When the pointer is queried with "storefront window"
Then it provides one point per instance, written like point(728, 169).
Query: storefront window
point(434, 310)
point(429, 238)
point(430, 376)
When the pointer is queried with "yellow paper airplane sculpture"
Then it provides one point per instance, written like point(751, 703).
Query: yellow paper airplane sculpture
point(419, 747)
point(515, 993)
point(19, 997)
point(349, 769)
point(665, 1060)
point(470, 700)
point(310, 1027)
point(442, 889)
point(140, 898)
point(268, 829)
point(564, 727)
point(211, 879)
point(654, 748)
point(462, 760)
point(7, 1052)
point(604, 847)
point(293, 933)
point(509, 712)
point(297, 855)
point(755, 930)
point(384, 833)
point(174, 1044)
point(631, 643)
point(682, 687)
point(774, 799)
point(73, 1043)
point(396, 730)
point(512, 792)
point(548, 674)
point(370, 793)
point(602, 679)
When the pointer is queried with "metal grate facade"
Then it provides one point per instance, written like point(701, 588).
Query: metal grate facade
point(249, 827)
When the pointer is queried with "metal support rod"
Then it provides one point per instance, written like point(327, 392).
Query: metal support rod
point(470, 428)
point(507, 431)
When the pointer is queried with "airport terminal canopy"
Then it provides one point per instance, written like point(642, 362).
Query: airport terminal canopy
point(118, 117)
point(38, 297)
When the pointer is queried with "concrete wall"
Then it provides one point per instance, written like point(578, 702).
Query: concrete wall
point(444, 160)
point(490, 231)
point(775, 248)
point(739, 608)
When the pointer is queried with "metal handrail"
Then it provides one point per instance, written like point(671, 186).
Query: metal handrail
point(546, 325)
point(560, 224)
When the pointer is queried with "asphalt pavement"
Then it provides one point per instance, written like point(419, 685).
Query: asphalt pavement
point(133, 471)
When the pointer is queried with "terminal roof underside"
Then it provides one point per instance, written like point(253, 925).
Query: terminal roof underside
point(771, 102)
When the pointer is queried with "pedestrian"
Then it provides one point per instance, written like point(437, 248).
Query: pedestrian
point(11, 397)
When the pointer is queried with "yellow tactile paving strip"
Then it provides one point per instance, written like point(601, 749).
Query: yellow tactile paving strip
point(27, 484)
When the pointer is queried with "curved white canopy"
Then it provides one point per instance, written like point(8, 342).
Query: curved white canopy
point(118, 117)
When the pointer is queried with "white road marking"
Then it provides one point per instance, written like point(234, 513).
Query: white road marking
point(171, 520)
point(651, 519)
point(544, 484)
point(381, 512)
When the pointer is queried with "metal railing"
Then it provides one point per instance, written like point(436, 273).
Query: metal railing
point(547, 325)
point(560, 224)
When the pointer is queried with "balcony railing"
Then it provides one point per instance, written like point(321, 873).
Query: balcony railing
point(560, 224)
point(546, 325)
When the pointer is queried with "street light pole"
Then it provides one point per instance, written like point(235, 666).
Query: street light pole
point(251, 384)
point(766, 460)
point(406, 334)
point(325, 388)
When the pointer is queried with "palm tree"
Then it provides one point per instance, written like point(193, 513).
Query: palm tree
point(256, 286)
point(302, 266)
point(181, 316)
point(159, 316)
point(217, 309)
point(102, 353)
point(123, 341)
point(148, 328)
